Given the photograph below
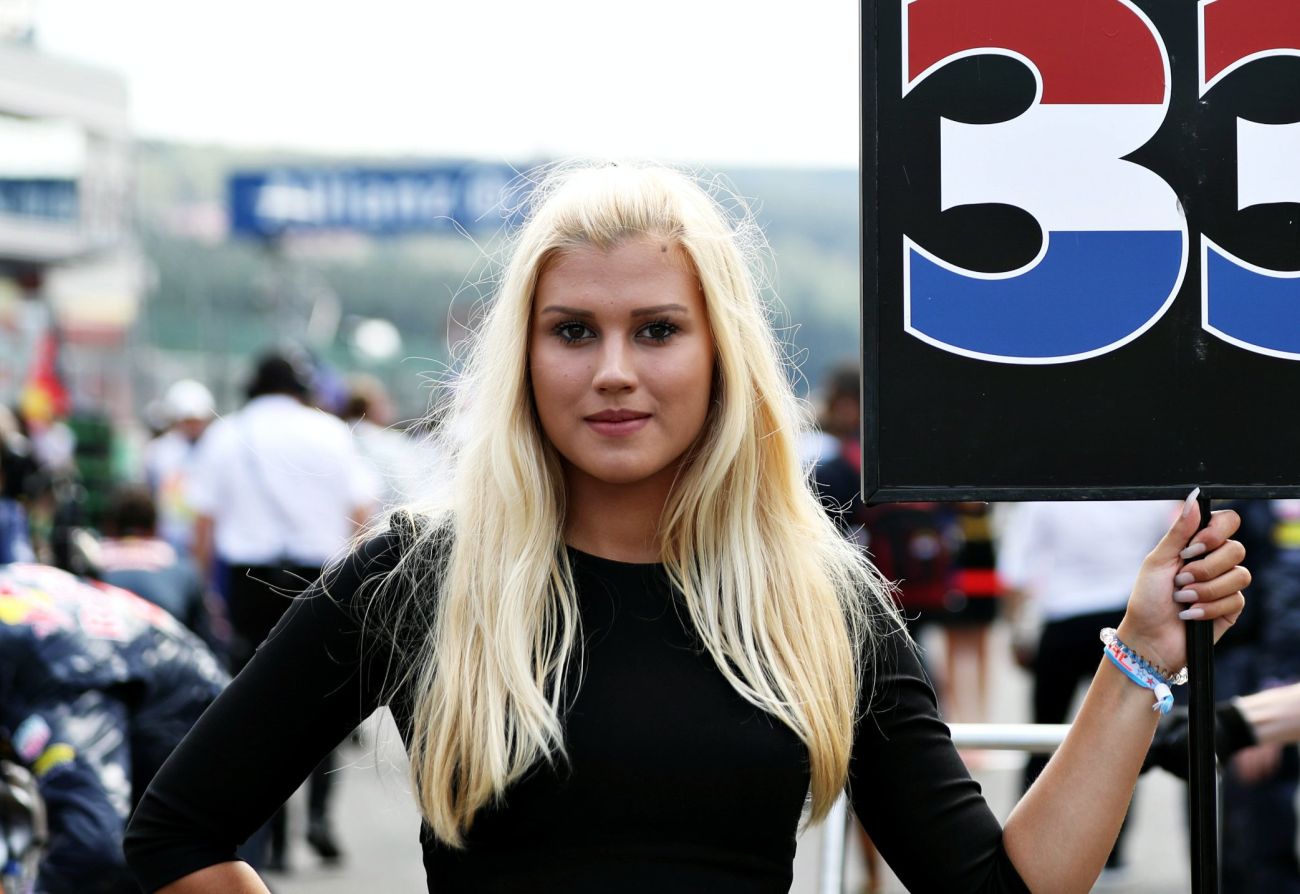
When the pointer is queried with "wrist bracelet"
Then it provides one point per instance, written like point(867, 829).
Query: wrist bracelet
point(1141, 671)
point(1111, 635)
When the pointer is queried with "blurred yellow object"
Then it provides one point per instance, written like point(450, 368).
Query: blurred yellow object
point(37, 405)
point(58, 753)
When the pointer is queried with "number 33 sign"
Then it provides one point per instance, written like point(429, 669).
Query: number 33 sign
point(1110, 181)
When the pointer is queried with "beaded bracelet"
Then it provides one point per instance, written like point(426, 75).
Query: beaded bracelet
point(1141, 671)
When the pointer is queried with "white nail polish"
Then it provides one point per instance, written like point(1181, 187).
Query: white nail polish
point(1195, 613)
point(1185, 596)
point(1193, 551)
point(1190, 502)
point(1184, 579)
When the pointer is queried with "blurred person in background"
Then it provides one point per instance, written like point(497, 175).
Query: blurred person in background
point(1261, 653)
point(15, 539)
point(834, 452)
point(16, 468)
point(838, 428)
point(1241, 723)
point(28, 485)
point(279, 490)
point(631, 643)
point(96, 688)
point(909, 543)
point(16, 452)
point(368, 411)
point(1074, 561)
point(169, 460)
point(156, 418)
point(132, 556)
point(972, 606)
point(912, 544)
point(53, 443)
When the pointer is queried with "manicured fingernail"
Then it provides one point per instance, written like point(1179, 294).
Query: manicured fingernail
point(1190, 502)
point(1185, 596)
point(1194, 613)
point(1193, 551)
point(1184, 579)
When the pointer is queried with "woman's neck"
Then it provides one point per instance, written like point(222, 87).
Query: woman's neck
point(616, 521)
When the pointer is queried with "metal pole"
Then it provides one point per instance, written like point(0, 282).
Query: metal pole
point(835, 829)
point(1200, 745)
point(1034, 738)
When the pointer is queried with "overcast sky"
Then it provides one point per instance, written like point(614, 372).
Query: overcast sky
point(749, 82)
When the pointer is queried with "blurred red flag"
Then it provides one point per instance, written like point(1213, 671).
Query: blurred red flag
point(44, 397)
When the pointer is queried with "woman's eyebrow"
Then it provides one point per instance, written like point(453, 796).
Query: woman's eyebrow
point(658, 309)
point(567, 311)
point(638, 312)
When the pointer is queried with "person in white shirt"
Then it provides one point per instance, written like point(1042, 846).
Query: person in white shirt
point(169, 458)
point(1071, 565)
point(279, 489)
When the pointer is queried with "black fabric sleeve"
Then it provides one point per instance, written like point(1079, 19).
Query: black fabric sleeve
point(313, 680)
point(1232, 732)
point(912, 792)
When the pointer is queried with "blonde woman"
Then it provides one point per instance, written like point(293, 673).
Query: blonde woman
point(631, 646)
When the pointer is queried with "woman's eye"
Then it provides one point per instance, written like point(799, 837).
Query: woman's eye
point(659, 330)
point(569, 333)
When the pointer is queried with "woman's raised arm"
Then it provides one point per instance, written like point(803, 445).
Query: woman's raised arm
point(1060, 833)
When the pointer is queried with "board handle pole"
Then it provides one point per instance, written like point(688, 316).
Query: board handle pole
point(1203, 778)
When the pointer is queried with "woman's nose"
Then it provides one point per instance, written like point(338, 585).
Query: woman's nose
point(615, 371)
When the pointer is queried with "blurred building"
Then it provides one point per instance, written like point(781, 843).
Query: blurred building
point(71, 276)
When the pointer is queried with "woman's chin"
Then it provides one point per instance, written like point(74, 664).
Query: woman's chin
point(620, 474)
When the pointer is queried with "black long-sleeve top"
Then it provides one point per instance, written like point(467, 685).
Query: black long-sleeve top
point(671, 781)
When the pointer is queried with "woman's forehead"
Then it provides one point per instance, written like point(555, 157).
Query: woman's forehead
point(642, 245)
point(643, 267)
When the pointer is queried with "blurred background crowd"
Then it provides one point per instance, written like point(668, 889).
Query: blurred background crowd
point(157, 288)
point(131, 261)
point(272, 226)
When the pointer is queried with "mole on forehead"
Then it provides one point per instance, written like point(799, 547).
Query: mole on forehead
point(587, 252)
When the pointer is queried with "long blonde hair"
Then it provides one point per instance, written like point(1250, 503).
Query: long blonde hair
point(785, 606)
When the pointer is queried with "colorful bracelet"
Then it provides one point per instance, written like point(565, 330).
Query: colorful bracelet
point(1141, 671)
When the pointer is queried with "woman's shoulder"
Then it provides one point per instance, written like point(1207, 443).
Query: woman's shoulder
point(889, 665)
point(390, 563)
point(402, 536)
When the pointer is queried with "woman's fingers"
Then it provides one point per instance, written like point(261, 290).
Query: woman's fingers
point(1223, 524)
point(1227, 607)
point(1202, 571)
point(1183, 542)
point(1167, 551)
point(1222, 622)
point(1232, 581)
point(1217, 574)
point(1210, 586)
point(1229, 554)
point(1189, 589)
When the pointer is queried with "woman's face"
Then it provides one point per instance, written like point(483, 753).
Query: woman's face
point(621, 358)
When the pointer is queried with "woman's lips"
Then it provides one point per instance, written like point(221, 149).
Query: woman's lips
point(615, 427)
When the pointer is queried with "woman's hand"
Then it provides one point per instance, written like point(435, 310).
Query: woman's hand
point(1253, 765)
point(1183, 581)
